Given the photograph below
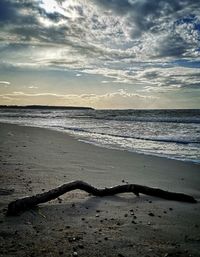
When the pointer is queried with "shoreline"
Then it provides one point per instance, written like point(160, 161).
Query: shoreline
point(35, 160)
point(195, 162)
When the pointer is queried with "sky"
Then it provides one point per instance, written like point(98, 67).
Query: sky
point(118, 54)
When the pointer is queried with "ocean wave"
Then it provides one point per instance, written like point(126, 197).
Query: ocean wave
point(154, 119)
point(161, 116)
point(156, 139)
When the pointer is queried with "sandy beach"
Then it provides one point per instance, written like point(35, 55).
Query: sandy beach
point(34, 160)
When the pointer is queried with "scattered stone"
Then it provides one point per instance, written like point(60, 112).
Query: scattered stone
point(82, 218)
point(105, 238)
point(75, 254)
point(120, 255)
point(97, 215)
point(151, 214)
point(133, 222)
point(73, 205)
point(60, 200)
point(171, 209)
point(97, 210)
point(125, 215)
point(81, 246)
point(149, 223)
point(61, 252)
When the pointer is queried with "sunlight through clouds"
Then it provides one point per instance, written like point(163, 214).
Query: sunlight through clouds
point(145, 45)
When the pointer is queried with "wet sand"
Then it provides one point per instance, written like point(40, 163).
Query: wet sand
point(34, 160)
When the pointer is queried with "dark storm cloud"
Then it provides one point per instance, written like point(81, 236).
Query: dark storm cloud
point(146, 14)
point(171, 46)
point(158, 17)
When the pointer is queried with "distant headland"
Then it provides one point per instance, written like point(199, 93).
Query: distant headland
point(45, 107)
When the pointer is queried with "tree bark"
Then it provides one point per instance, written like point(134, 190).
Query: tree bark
point(26, 203)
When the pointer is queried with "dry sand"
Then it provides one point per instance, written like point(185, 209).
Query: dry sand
point(34, 160)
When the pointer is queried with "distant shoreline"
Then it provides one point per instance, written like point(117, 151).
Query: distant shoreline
point(45, 107)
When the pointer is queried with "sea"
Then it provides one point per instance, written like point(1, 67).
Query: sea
point(173, 134)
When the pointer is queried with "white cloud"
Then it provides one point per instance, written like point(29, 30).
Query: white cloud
point(5, 83)
point(109, 100)
point(33, 87)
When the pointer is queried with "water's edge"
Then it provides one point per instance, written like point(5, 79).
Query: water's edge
point(85, 141)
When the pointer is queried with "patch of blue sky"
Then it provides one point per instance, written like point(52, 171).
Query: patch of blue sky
point(190, 19)
point(186, 63)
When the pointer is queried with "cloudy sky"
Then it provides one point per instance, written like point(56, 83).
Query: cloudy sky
point(100, 53)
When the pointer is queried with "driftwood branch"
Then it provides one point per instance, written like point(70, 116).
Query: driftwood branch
point(26, 203)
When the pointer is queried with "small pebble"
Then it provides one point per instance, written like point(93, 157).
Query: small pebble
point(59, 200)
point(80, 246)
point(75, 254)
point(151, 214)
